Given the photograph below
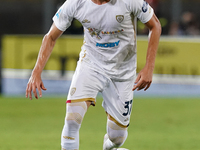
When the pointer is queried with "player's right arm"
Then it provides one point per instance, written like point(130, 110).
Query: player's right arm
point(35, 81)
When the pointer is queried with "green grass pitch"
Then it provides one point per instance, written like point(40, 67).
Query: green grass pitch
point(156, 124)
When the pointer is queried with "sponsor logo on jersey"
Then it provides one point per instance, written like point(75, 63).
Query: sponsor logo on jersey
point(119, 18)
point(85, 21)
point(98, 33)
point(112, 32)
point(108, 44)
point(95, 32)
point(145, 6)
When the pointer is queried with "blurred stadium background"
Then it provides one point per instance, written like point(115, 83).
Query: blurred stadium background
point(165, 117)
point(24, 22)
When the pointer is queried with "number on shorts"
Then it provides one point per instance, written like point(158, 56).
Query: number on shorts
point(128, 106)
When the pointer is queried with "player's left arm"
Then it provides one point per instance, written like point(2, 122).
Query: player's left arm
point(144, 78)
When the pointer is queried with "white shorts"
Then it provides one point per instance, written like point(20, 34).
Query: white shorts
point(117, 95)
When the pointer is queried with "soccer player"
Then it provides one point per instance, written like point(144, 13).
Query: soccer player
point(107, 63)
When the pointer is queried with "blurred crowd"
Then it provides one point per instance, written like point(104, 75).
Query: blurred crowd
point(28, 17)
point(188, 24)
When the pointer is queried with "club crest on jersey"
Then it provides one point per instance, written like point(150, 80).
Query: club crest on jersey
point(73, 90)
point(145, 6)
point(119, 18)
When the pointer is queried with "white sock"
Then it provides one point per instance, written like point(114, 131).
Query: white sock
point(116, 135)
point(73, 120)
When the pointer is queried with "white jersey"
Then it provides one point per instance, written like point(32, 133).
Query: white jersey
point(109, 33)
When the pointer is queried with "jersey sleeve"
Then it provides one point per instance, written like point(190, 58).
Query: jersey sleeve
point(65, 14)
point(142, 10)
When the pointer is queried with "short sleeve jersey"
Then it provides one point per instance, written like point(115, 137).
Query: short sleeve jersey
point(109, 33)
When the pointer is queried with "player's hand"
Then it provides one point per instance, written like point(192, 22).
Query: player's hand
point(35, 82)
point(143, 80)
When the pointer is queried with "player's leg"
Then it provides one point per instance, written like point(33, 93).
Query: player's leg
point(84, 87)
point(117, 103)
point(116, 134)
point(73, 120)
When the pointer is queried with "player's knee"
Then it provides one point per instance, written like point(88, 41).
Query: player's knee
point(74, 118)
point(73, 122)
point(117, 140)
point(71, 127)
point(116, 134)
point(75, 113)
